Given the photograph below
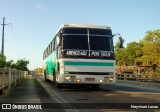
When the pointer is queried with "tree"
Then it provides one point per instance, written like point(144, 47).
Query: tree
point(9, 63)
point(151, 47)
point(134, 51)
point(120, 54)
point(146, 52)
point(2, 61)
point(21, 64)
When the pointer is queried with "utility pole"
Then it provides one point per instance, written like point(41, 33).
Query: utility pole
point(3, 35)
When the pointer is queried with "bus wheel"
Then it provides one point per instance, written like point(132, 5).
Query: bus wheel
point(45, 77)
point(54, 76)
point(95, 86)
point(58, 85)
point(1, 91)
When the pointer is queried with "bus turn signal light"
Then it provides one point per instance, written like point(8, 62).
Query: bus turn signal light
point(78, 80)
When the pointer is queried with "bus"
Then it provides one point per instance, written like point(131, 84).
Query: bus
point(80, 54)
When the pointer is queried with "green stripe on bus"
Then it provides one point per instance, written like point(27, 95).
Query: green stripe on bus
point(88, 63)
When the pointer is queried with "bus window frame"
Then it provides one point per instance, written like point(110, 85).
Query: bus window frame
point(53, 47)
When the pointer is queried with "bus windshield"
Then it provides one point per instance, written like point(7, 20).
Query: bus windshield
point(101, 43)
point(83, 42)
point(75, 42)
point(80, 42)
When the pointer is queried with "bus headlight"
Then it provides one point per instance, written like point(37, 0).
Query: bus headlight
point(67, 78)
point(100, 81)
point(111, 78)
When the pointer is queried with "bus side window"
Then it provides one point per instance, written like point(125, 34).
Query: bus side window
point(55, 43)
point(52, 45)
point(57, 40)
point(48, 51)
point(50, 48)
point(58, 51)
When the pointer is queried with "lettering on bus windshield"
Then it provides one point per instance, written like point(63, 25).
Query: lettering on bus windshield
point(92, 53)
point(100, 53)
point(105, 53)
point(95, 53)
point(76, 53)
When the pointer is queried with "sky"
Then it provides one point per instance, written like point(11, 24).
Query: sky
point(35, 22)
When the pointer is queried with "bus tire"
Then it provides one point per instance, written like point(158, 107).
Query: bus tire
point(45, 77)
point(54, 76)
point(58, 85)
point(1, 91)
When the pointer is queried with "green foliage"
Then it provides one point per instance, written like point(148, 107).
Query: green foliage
point(21, 64)
point(145, 52)
point(120, 55)
point(151, 47)
point(2, 61)
point(133, 51)
point(9, 63)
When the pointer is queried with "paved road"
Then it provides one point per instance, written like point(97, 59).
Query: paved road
point(39, 91)
point(117, 93)
point(28, 91)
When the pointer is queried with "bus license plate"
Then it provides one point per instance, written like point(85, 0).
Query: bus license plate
point(90, 79)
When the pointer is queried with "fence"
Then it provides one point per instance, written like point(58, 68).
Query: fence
point(10, 78)
point(139, 77)
point(139, 74)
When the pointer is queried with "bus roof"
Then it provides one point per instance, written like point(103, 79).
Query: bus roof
point(84, 26)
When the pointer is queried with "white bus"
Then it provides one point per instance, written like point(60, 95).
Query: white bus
point(80, 54)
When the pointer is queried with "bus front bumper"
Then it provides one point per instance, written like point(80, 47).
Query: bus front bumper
point(87, 79)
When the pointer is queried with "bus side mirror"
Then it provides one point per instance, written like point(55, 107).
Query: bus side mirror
point(120, 42)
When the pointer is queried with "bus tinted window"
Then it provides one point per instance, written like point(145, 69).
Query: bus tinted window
point(52, 45)
point(75, 31)
point(100, 43)
point(75, 42)
point(48, 50)
point(100, 32)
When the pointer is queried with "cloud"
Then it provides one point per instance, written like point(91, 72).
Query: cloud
point(40, 7)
